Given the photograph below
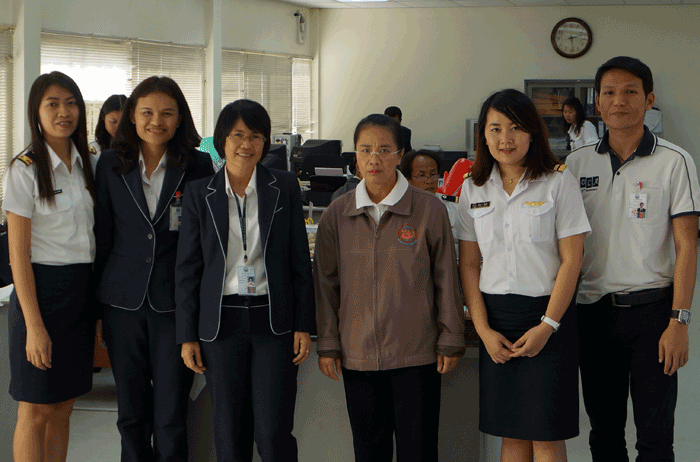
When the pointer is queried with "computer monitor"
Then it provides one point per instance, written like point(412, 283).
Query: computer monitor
point(314, 148)
point(276, 157)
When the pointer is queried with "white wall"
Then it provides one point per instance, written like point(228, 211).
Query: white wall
point(440, 64)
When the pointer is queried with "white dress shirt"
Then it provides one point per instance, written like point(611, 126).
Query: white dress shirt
point(152, 185)
point(587, 135)
point(377, 210)
point(518, 234)
point(234, 252)
point(61, 233)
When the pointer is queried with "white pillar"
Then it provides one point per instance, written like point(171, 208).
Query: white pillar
point(26, 66)
point(212, 65)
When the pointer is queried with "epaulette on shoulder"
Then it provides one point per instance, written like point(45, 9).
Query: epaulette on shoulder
point(449, 198)
point(467, 175)
point(26, 158)
point(560, 168)
point(92, 149)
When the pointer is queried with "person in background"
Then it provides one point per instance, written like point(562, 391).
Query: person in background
point(581, 131)
point(139, 184)
point(48, 200)
point(521, 210)
point(395, 113)
point(639, 269)
point(110, 115)
point(245, 303)
point(391, 362)
point(351, 183)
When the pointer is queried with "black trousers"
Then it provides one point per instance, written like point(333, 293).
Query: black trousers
point(404, 401)
point(153, 384)
point(253, 384)
point(619, 355)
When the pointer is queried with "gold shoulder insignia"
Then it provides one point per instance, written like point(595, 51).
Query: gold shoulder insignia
point(92, 149)
point(26, 159)
point(449, 198)
point(560, 167)
point(467, 175)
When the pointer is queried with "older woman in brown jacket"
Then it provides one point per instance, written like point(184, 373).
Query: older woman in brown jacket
point(389, 311)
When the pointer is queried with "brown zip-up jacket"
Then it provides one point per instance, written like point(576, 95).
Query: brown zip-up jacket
point(387, 296)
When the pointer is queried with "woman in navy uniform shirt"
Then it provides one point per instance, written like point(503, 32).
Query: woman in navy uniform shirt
point(522, 211)
point(245, 300)
point(139, 185)
point(49, 204)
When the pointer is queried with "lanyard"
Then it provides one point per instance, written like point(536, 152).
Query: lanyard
point(241, 219)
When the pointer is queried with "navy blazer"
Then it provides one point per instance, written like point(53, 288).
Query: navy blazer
point(201, 255)
point(135, 256)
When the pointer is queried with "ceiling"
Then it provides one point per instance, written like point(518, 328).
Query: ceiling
point(328, 4)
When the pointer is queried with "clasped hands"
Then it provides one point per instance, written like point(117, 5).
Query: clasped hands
point(529, 345)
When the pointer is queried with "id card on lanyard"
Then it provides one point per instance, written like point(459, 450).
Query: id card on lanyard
point(176, 213)
point(247, 285)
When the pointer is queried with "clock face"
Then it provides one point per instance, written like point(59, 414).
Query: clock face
point(571, 38)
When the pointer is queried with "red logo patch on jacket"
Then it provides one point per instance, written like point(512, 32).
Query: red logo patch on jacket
point(407, 235)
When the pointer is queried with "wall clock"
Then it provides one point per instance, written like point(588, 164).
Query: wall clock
point(572, 38)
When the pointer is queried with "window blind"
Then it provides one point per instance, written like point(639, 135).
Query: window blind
point(5, 102)
point(282, 84)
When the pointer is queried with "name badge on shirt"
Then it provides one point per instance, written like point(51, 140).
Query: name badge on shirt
point(246, 280)
point(480, 205)
point(638, 205)
point(176, 213)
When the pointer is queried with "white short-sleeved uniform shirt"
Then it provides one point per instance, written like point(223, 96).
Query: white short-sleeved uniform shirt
point(518, 234)
point(61, 233)
point(630, 207)
point(587, 135)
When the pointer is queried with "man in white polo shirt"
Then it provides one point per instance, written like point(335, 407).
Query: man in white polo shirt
point(642, 199)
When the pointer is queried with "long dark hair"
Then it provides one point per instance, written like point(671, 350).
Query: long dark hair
point(253, 115)
point(113, 103)
point(126, 142)
point(40, 155)
point(575, 104)
point(521, 111)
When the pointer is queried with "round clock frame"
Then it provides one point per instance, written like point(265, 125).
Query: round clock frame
point(558, 33)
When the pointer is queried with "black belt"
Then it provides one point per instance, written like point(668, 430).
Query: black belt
point(642, 297)
point(244, 300)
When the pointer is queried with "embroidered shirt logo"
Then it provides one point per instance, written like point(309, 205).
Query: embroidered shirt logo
point(589, 183)
point(407, 235)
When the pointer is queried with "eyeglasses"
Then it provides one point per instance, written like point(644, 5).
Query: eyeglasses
point(424, 178)
point(381, 153)
point(239, 138)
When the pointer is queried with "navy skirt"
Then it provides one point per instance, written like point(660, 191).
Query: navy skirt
point(529, 398)
point(63, 293)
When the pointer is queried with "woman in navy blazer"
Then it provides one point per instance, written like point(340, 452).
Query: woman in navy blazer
point(244, 292)
point(139, 185)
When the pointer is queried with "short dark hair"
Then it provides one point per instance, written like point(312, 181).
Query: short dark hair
point(379, 120)
point(631, 65)
point(126, 142)
point(576, 105)
point(521, 111)
point(253, 115)
point(113, 103)
point(38, 145)
point(393, 111)
point(406, 165)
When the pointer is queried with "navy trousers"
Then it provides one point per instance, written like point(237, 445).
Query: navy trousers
point(618, 356)
point(153, 384)
point(253, 384)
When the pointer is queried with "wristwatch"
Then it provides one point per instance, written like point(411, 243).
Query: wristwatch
point(547, 320)
point(682, 316)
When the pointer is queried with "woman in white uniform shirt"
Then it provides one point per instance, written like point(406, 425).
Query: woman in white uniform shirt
point(49, 205)
point(581, 131)
point(522, 211)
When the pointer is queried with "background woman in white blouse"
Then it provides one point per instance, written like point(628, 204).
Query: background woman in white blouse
point(49, 191)
point(522, 211)
point(581, 131)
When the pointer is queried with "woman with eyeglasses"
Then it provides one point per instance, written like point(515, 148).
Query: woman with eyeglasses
point(522, 211)
point(389, 312)
point(245, 303)
point(139, 185)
